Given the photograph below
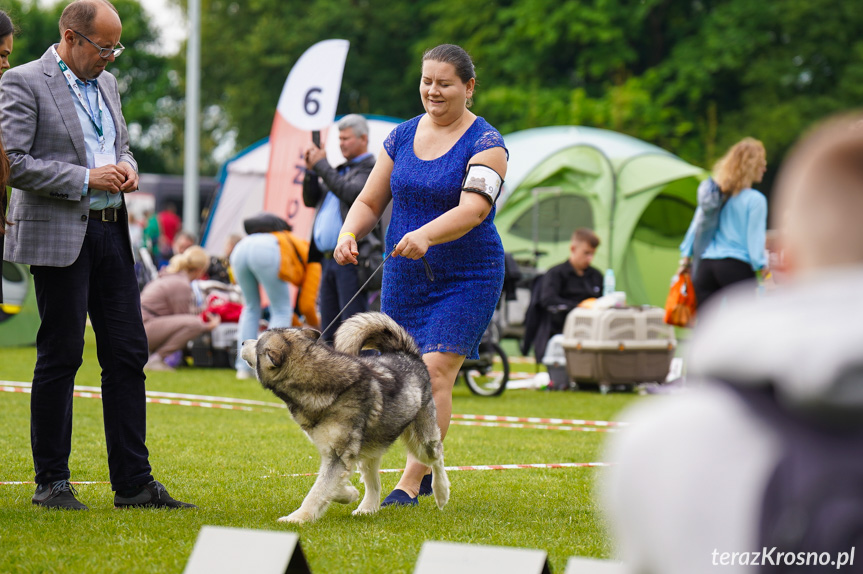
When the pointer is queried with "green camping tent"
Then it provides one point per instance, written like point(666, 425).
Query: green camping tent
point(638, 198)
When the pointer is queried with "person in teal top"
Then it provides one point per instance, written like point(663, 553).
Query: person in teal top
point(737, 249)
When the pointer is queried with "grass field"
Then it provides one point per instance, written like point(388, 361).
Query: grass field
point(233, 464)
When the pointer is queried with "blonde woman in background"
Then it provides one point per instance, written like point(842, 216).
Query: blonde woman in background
point(168, 307)
point(737, 249)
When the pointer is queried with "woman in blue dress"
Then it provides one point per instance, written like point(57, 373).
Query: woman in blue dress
point(429, 168)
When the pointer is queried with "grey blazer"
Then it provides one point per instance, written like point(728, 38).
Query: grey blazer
point(45, 144)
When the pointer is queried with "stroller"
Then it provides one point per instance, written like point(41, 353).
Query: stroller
point(479, 375)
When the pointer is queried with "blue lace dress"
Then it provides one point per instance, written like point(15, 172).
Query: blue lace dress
point(450, 314)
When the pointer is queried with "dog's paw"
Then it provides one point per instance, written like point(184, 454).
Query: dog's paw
point(297, 517)
point(348, 495)
point(364, 509)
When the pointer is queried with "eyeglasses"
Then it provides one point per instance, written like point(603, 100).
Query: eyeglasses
point(104, 53)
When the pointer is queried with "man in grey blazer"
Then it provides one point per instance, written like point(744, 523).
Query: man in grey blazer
point(70, 167)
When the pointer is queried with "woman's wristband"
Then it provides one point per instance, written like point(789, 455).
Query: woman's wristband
point(343, 234)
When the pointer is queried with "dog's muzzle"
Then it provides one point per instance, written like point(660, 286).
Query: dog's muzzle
point(248, 353)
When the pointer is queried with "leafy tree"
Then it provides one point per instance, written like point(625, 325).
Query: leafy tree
point(691, 76)
point(37, 29)
point(769, 70)
point(252, 45)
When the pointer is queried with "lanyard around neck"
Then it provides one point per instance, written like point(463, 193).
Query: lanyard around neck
point(72, 81)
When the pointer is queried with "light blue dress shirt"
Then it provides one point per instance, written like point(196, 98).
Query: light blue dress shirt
point(742, 231)
point(329, 222)
point(99, 199)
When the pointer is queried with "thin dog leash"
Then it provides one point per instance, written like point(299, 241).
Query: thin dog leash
point(429, 274)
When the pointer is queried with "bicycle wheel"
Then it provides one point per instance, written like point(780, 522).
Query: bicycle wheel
point(484, 381)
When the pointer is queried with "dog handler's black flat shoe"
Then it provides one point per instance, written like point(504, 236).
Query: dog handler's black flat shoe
point(150, 495)
point(426, 486)
point(399, 497)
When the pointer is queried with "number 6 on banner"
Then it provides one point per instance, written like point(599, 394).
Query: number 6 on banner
point(311, 92)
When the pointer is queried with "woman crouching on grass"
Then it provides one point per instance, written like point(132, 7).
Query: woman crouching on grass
point(168, 309)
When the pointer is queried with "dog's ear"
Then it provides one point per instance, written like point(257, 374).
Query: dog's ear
point(275, 358)
point(312, 334)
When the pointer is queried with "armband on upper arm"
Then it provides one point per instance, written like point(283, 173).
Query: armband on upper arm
point(483, 180)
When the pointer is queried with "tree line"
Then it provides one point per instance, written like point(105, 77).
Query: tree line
point(691, 76)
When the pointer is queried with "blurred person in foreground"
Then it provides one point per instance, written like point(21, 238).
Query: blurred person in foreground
point(7, 32)
point(735, 248)
point(71, 167)
point(7, 41)
point(443, 171)
point(762, 455)
point(168, 308)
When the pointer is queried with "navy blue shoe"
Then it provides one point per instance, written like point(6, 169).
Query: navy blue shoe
point(426, 486)
point(399, 497)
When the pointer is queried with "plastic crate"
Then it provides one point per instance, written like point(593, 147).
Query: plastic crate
point(217, 348)
point(224, 336)
point(618, 346)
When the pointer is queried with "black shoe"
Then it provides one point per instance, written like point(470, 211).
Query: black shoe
point(59, 494)
point(151, 495)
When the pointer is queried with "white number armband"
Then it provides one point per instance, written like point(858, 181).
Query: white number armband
point(483, 180)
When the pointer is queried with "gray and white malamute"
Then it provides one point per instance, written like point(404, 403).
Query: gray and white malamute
point(352, 407)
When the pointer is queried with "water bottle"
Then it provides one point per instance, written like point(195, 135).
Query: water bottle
point(608, 282)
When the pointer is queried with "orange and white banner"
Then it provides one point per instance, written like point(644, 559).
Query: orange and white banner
point(307, 103)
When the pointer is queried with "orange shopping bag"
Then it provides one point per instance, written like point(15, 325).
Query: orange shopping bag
point(680, 305)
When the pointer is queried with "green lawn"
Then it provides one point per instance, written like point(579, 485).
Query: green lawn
point(219, 459)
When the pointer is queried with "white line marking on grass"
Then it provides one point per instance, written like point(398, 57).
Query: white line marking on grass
point(228, 403)
point(475, 467)
point(155, 400)
point(204, 405)
point(391, 470)
point(166, 395)
point(539, 420)
point(25, 482)
point(529, 426)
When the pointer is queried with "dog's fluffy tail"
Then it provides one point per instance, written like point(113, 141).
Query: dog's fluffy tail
point(373, 331)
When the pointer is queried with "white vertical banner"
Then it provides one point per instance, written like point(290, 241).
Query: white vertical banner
point(311, 92)
point(307, 103)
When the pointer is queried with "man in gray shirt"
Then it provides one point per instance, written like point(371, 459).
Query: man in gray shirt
point(333, 191)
